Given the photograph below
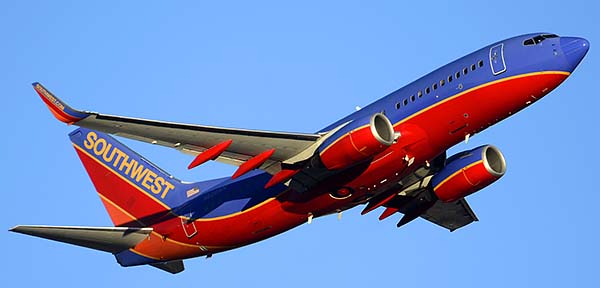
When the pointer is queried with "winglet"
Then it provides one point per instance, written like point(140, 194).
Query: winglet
point(59, 109)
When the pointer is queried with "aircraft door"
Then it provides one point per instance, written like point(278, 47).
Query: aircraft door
point(497, 59)
point(188, 227)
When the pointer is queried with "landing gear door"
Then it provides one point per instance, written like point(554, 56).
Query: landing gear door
point(497, 59)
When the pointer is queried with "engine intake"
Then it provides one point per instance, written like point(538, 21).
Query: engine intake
point(358, 141)
point(468, 172)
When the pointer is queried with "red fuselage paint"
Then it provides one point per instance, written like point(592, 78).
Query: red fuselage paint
point(425, 135)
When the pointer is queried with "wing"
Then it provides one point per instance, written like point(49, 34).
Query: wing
point(417, 200)
point(189, 138)
point(451, 215)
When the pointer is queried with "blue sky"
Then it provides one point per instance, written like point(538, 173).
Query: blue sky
point(295, 67)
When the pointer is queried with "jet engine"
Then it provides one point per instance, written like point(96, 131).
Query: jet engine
point(357, 141)
point(468, 172)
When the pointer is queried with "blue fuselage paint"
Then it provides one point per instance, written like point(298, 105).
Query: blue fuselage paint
point(500, 60)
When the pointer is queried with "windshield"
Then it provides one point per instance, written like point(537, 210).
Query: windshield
point(538, 39)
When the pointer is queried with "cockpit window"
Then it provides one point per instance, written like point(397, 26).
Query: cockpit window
point(528, 42)
point(549, 36)
point(538, 39)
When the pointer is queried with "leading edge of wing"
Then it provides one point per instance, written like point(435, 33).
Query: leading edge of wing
point(209, 129)
point(66, 114)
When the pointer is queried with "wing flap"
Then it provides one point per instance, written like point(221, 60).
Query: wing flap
point(172, 267)
point(451, 215)
point(198, 138)
point(108, 239)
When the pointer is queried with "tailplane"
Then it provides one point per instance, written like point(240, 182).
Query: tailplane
point(108, 239)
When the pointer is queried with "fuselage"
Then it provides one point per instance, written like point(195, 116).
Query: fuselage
point(430, 115)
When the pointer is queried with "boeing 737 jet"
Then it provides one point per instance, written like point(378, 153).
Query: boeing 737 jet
point(390, 155)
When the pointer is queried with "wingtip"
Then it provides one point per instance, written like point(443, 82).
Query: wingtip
point(17, 228)
point(58, 108)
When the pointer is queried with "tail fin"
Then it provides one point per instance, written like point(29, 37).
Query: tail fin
point(134, 191)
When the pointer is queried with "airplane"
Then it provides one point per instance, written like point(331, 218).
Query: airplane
point(390, 154)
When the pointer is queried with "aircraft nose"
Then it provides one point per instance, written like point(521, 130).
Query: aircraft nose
point(574, 49)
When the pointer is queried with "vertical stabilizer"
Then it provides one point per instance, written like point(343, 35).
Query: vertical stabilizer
point(134, 191)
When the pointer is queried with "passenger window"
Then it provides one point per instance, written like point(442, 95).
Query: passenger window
point(427, 90)
point(397, 105)
point(465, 71)
point(434, 86)
point(419, 94)
point(405, 101)
point(480, 63)
point(442, 82)
point(473, 67)
point(412, 98)
point(457, 75)
point(449, 78)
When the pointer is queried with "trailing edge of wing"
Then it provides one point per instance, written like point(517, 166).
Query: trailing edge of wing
point(451, 215)
point(108, 239)
point(172, 267)
point(188, 138)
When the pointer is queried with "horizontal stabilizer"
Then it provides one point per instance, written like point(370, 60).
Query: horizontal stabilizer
point(109, 239)
point(172, 267)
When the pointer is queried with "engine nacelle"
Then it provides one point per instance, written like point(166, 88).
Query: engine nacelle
point(357, 141)
point(468, 172)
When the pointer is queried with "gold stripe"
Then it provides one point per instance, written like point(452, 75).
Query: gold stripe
point(479, 87)
point(234, 214)
point(339, 139)
point(154, 232)
point(143, 255)
point(191, 245)
point(122, 177)
point(456, 96)
point(457, 172)
point(120, 209)
point(162, 204)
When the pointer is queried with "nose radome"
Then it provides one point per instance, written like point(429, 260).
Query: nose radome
point(574, 49)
